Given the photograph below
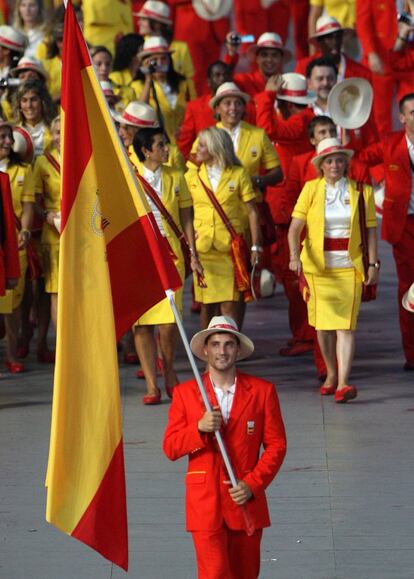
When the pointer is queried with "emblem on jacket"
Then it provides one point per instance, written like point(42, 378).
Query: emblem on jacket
point(250, 427)
point(253, 151)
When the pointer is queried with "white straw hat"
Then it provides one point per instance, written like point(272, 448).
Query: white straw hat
point(12, 39)
point(295, 89)
point(107, 88)
point(262, 283)
point(212, 9)
point(408, 299)
point(228, 89)
point(138, 114)
point(26, 63)
point(154, 10)
point(326, 25)
point(221, 324)
point(270, 40)
point(331, 146)
point(350, 102)
point(23, 144)
point(154, 45)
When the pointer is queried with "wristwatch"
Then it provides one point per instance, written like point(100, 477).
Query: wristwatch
point(376, 264)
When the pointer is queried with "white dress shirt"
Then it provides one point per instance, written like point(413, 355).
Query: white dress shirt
point(225, 399)
point(155, 180)
point(337, 221)
point(171, 97)
point(214, 175)
point(410, 146)
point(235, 136)
point(38, 137)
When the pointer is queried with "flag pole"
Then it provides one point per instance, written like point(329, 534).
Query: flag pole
point(170, 296)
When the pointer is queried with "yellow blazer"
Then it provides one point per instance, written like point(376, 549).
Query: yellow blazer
point(46, 181)
point(106, 19)
point(183, 63)
point(234, 189)
point(173, 117)
point(21, 185)
point(53, 67)
point(310, 208)
point(175, 196)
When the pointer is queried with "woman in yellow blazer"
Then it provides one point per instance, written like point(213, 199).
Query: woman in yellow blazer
point(126, 62)
point(172, 90)
point(331, 260)
point(221, 171)
point(23, 204)
point(152, 150)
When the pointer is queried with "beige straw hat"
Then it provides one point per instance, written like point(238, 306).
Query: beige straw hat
point(221, 324)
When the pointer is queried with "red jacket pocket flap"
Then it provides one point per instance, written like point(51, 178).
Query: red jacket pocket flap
point(195, 477)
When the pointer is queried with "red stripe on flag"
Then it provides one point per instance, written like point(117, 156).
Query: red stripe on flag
point(103, 525)
point(133, 290)
point(75, 58)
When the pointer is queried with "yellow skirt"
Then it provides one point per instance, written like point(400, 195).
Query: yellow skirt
point(335, 297)
point(162, 313)
point(219, 277)
point(18, 291)
point(50, 263)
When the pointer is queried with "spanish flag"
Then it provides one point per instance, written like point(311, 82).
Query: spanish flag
point(114, 265)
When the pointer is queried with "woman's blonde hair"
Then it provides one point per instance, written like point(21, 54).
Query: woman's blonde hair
point(220, 146)
point(17, 19)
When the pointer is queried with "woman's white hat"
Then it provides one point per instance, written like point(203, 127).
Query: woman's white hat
point(350, 102)
point(331, 146)
point(326, 25)
point(12, 39)
point(23, 144)
point(295, 89)
point(154, 10)
point(270, 40)
point(228, 89)
point(220, 324)
point(154, 45)
point(262, 283)
point(138, 114)
point(408, 300)
point(26, 63)
point(107, 88)
point(212, 9)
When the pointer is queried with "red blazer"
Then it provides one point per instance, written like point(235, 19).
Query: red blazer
point(9, 253)
point(376, 25)
point(392, 151)
point(255, 420)
point(198, 116)
point(250, 82)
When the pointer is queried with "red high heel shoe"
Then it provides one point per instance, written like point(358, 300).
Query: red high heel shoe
point(15, 367)
point(327, 390)
point(345, 394)
point(152, 399)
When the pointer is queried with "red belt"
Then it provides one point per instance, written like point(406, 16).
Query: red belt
point(335, 244)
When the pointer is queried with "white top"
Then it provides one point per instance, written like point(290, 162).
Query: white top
point(214, 174)
point(337, 221)
point(4, 163)
point(235, 135)
point(410, 146)
point(38, 137)
point(225, 399)
point(34, 37)
point(155, 180)
point(169, 95)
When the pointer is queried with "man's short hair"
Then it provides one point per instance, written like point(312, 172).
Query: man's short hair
point(318, 120)
point(218, 63)
point(407, 97)
point(220, 332)
point(320, 61)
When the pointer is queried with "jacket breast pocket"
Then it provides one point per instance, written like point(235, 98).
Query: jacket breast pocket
point(195, 477)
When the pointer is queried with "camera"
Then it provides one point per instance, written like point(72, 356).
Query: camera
point(406, 18)
point(237, 39)
point(9, 82)
point(152, 67)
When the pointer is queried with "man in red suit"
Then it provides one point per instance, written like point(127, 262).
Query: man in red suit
point(198, 113)
point(396, 152)
point(246, 411)
point(328, 39)
point(377, 27)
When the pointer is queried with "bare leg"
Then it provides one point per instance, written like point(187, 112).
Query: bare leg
point(53, 308)
point(12, 323)
point(327, 343)
point(168, 343)
point(207, 312)
point(345, 348)
point(147, 353)
point(229, 309)
point(241, 310)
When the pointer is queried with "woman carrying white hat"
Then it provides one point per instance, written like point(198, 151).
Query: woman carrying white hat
point(165, 189)
point(331, 259)
point(12, 47)
point(158, 84)
point(154, 19)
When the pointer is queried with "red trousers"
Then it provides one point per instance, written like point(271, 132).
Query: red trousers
point(227, 554)
point(384, 87)
point(404, 260)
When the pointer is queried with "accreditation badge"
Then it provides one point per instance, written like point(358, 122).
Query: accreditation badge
point(250, 427)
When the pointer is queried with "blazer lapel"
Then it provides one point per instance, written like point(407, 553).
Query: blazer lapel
point(242, 398)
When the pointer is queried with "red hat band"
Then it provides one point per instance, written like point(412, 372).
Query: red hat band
point(332, 26)
point(10, 43)
point(145, 13)
point(137, 120)
point(294, 93)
